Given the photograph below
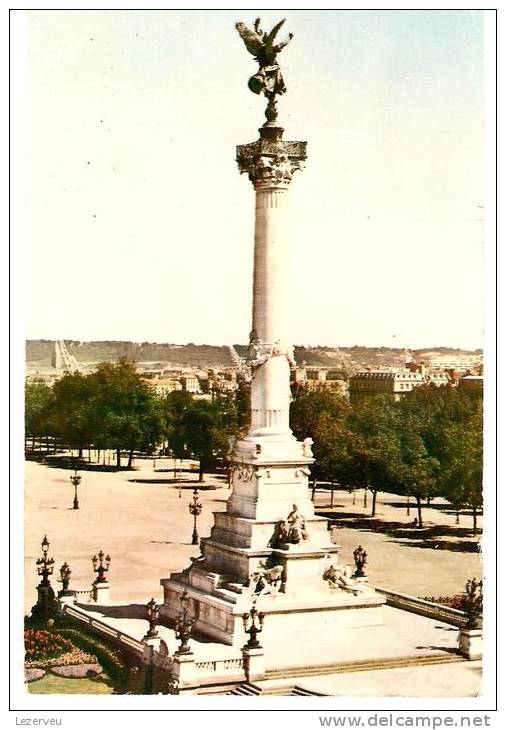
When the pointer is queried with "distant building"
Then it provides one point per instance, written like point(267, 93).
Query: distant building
point(162, 386)
point(318, 374)
point(299, 375)
point(190, 383)
point(399, 382)
point(340, 387)
point(462, 361)
point(42, 377)
point(391, 382)
point(316, 379)
point(439, 377)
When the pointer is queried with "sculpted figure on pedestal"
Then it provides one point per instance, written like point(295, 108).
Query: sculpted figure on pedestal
point(307, 450)
point(280, 535)
point(266, 581)
point(296, 526)
point(338, 577)
point(260, 352)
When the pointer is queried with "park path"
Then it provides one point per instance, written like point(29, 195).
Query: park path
point(430, 562)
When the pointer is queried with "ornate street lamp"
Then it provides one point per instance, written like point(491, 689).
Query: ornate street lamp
point(46, 604)
point(99, 567)
point(65, 574)
point(253, 625)
point(45, 565)
point(184, 625)
point(195, 509)
point(152, 614)
point(76, 480)
point(472, 603)
point(360, 557)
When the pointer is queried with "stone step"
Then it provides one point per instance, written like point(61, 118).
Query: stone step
point(226, 595)
point(253, 690)
point(246, 690)
point(235, 587)
point(301, 692)
point(366, 665)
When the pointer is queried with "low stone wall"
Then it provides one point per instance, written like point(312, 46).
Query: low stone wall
point(423, 608)
point(166, 669)
point(104, 629)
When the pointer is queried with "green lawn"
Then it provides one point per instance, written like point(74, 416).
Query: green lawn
point(51, 684)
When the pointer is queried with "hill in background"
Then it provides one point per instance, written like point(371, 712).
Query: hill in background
point(39, 353)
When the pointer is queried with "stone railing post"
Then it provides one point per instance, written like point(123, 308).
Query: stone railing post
point(471, 643)
point(254, 663)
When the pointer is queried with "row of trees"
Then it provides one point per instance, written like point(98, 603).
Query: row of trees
point(113, 408)
point(427, 444)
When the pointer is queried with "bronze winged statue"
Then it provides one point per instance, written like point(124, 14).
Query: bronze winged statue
point(268, 79)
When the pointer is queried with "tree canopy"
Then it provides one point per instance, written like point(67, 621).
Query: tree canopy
point(427, 444)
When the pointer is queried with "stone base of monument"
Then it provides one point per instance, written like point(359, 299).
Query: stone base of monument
point(310, 622)
point(270, 549)
point(471, 643)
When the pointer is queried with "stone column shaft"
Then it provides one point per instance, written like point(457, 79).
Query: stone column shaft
point(270, 163)
point(270, 392)
point(269, 286)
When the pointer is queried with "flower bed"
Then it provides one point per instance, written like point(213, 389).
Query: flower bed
point(77, 671)
point(108, 655)
point(45, 649)
point(450, 601)
point(31, 675)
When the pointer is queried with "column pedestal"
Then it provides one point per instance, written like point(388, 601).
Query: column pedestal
point(301, 606)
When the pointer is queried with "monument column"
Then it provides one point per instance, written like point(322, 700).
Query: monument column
point(268, 548)
point(270, 163)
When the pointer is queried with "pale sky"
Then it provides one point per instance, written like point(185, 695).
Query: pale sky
point(139, 227)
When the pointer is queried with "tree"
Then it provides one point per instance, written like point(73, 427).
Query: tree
point(37, 398)
point(415, 472)
point(200, 428)
point(310, 406)
point(124, 415)
point(331, 439)
point(373, 446)
point(69, 414)
point(321, 415)
point(450, 422)
point(243, 405)
point(370, 462)
point(462, 465)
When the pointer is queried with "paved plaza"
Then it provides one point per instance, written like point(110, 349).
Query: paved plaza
point(139, 518)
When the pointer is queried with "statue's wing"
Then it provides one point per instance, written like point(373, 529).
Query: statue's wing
point(252, 40)
point(256, 26)
point(270, 38)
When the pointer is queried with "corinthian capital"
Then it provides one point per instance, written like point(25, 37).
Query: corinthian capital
point(271, 162)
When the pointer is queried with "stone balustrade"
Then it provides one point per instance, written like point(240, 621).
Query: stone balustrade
point(423, 608)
